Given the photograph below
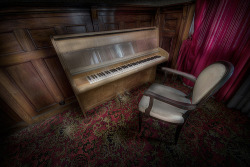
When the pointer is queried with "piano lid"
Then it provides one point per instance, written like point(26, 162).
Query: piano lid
point(82, 53)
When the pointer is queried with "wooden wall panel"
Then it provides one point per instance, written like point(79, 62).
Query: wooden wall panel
point(16, 100)
point(169, 31)
point(24, 39)
point(123, 18)
point(172, 24)
point(41, 37)
point(30, 61)
point(60, 77)
point(50, 21)
point(76, 29)
point(29, 81)
point(12, 46)
point(47, 78)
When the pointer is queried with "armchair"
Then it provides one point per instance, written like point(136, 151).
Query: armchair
point(171, 105)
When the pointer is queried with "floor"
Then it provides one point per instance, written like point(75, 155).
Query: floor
point(213, 136)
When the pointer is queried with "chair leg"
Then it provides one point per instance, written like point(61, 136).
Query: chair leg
point(140, 120)
point(177, 133)
point(179, 127)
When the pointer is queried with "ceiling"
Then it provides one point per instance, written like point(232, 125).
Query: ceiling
point(108, 2)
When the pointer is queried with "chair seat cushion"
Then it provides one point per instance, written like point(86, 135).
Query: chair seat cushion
point(164, 111)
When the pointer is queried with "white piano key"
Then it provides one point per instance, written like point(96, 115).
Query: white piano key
point(116, 71)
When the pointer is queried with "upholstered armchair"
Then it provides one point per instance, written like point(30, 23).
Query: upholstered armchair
point(171, 105)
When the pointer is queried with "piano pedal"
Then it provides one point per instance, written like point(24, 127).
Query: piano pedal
point(119, 96)
point(125, 97)
point(127, 93)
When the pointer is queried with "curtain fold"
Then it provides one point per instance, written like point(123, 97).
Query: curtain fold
point(221, 32)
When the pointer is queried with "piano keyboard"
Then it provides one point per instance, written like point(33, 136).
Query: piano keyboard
point(124, 68)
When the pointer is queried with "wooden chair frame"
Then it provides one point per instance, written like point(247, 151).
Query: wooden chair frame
point(181, 105)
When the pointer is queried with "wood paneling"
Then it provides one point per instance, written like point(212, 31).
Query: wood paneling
point(46, 22)
point(58, 74)
point(76, 29)
point(26, 56)
point(41, 37)
point(9, 44)
point(16, 100)
point(123, 18)
point(169, 31)
point(34, 78)
point(29, 81)
point(24, 39)
point(47, 78)
point(174, 24)
point(9, 117)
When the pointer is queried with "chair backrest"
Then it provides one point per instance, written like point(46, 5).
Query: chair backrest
point(210, 80)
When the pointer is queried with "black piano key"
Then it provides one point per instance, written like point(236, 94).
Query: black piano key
point(89, 78)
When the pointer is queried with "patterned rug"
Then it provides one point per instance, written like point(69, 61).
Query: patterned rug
point(212, 136)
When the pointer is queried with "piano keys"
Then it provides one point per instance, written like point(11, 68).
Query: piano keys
point(122, 69)
point(101, 65)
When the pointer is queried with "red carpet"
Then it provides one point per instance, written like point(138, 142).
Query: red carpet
point(213, 136)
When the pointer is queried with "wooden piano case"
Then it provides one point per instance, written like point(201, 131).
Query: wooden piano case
point(86, 54)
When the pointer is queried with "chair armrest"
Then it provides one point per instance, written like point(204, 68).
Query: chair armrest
point(185, 106)
point(185, 75)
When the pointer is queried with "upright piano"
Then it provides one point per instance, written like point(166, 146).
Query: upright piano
point(101, 65)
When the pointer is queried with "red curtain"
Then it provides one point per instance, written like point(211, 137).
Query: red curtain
point(221, 32)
